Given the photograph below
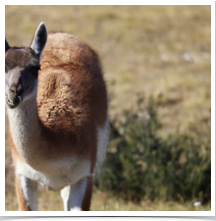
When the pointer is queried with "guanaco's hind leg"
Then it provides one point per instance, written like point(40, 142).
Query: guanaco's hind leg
point(77, 197)
point(27, 194)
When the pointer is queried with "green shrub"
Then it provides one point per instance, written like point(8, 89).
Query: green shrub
point(140, 163)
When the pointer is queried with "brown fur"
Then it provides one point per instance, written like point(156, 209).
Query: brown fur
point(22, 202)
point(21, 57)
point(71, 97)
point(71, 104)
point(88, 195)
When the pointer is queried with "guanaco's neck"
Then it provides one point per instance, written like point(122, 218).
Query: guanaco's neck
point(25, 129)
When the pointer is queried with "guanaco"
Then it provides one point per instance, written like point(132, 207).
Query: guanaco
point(57, 107)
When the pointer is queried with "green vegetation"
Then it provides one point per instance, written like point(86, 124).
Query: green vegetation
point(160, 147)
point(143, 164)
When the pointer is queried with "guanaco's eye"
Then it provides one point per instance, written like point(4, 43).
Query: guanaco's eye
point(35, 70)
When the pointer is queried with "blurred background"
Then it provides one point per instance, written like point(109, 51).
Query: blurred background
point(157, 66)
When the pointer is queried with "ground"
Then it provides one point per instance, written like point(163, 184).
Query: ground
point(159, 51)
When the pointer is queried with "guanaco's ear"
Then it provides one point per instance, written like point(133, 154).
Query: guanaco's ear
point(40, 38)
point(6, 46)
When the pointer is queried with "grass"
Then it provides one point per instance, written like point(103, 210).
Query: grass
point(150, 50)
point(101, 201)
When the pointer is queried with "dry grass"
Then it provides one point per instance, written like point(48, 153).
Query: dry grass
point(101, 201)
point(147, 50)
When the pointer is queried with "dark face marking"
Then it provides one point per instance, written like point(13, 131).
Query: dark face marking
point(21, 72)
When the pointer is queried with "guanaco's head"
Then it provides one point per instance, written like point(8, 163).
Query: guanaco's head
point(21, 68)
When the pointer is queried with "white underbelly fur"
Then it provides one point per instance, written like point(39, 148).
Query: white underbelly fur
point(65, 172)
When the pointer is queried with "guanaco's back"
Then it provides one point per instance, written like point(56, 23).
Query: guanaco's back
point(58, 112)
point(71, 97)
